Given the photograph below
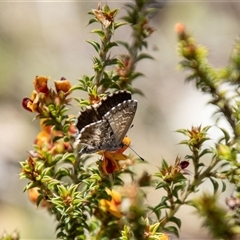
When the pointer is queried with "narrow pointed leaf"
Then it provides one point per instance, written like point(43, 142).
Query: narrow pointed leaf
point(176, 220)
point(95, 44)
point(143, 56)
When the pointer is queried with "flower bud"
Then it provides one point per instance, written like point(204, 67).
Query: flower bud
point(42, 138)
point(40, 84)
point(112, 206)
point(25, 103)
point(62, 85)
point(180, 29)
point(33, 195)
point(31, 104)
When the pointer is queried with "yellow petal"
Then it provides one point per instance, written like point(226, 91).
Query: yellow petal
point(42, 138)
point(108, 191)
point(164, 237)
point(115, 156)
point(113, 209)
point(116, 197)
point(120, 156)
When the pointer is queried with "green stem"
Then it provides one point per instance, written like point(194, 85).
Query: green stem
point(103, 58)
point(198, 178)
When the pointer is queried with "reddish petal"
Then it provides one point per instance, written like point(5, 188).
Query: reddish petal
point(183, 164)
point(40, 84)
point(25, 102)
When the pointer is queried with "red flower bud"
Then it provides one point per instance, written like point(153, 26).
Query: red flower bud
point(31, 104)
point(25, 102)
point(183, 164)
point(40, 84)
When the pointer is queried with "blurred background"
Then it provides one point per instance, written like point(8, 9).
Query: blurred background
point(48, 38)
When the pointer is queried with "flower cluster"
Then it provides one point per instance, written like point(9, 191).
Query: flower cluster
point(49, 104)
point(171, 173)
point(52, 139)
point(42, 95)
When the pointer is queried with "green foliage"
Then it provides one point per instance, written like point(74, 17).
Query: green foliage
point(125, 73)
point(85, 194)
point(81, 194)
point(222, 85)
point(215, 217)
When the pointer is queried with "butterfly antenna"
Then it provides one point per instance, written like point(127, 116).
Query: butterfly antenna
point(137, 154)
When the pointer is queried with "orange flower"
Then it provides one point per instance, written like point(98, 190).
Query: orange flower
point(112, 206)
point(46, 135)
point(33, 195)
point(40, 84)
point(31, 104)
point(42, 138)
point(109, 163)
point(62, 85)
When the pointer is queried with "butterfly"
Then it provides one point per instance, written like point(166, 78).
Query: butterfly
point(103, 126)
